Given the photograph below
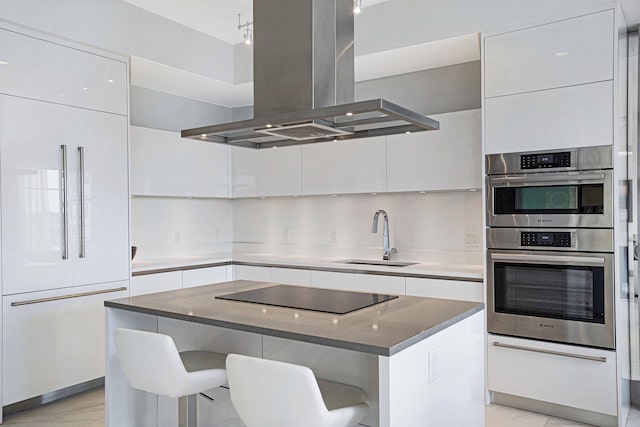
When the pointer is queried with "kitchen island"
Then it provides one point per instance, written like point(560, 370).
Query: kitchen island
point(420, 360)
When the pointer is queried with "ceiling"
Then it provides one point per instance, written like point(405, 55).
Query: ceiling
point(216, 18)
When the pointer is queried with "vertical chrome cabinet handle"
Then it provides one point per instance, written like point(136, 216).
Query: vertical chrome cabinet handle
point(65, 212)
point(82, 219)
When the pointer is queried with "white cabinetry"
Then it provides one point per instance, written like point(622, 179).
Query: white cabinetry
point(291, 276)
point(333, 280)
point(163, 164)
point(550, 86)
point(205, 276)
point(53, 344)
point(394, 285)
point(39, 223)
point(446, 289)
point(156, 282)
point(250, 272)
point(577, 377)
point(266, 172)
point(356, 166)
point(447, 159)
point(38, 69)
point(564, 53)
point(574, 116)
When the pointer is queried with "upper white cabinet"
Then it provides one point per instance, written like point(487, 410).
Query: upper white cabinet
point(354, 166)
point(65, 222)
point(48, 71)
point(574, 116)
point(563, 53)
point(446, 159)
point(163, 164)
point(266, 172)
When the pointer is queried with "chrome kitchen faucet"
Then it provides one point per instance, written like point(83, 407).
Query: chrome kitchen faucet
point(387, 251)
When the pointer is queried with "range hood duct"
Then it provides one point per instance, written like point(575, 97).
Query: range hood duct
point(304, 82)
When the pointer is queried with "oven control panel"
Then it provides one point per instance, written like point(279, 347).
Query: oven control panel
point(548, 160)
point(558, 239)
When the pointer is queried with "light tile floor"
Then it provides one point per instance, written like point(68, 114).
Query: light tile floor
point(87, 410)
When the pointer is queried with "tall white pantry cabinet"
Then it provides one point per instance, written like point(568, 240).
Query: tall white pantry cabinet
point(64, 209)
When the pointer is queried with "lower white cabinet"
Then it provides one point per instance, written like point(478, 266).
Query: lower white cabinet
point(291, 276)
point(394, 285)
point(54, 339)
point(573, 376)
point(156, 282)
point(250, 272)
point(333, 280)
point(446, 289)
point(205, 276)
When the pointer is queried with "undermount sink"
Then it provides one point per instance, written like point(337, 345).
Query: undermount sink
point(376, 262)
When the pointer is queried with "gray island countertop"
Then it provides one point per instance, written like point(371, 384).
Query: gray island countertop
point(383, 329)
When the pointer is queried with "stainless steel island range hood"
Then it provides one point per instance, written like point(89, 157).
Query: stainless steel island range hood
point(304, 82)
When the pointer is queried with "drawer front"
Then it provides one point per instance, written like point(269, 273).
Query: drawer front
point(250, 272)
point(446, 289)
point(576, 116)
point(204, 276)
point(158, 282)
point(564, 53)
point(380, 284)
point(332, 280)
point(291, 276)
point(51, 344)
point(578, 377)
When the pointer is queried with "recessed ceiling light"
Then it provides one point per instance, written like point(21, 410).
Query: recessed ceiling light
point(4, 63)
point(85, 88)
point(349, 113)
point(408, 132)
point(203, 136)
point(562, 53)
point(110, 81)
point(269, 125)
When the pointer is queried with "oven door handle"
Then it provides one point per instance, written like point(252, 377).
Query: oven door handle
point(550, 178)
point(551, 259)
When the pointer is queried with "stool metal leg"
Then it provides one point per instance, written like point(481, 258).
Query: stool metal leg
point(192, 410)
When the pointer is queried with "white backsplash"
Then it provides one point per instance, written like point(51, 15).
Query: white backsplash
point(430, 227)
point(172, 227)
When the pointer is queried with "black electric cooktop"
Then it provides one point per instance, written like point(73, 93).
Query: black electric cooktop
point(314, 299)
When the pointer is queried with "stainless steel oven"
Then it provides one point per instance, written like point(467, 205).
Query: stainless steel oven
point(551, 284)
point(558, 188)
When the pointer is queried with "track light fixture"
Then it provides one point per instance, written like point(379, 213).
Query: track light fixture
point(247, 29)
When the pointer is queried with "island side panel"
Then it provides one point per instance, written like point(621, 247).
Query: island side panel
point(333, 364)
point(124, 406)
point(439, 380)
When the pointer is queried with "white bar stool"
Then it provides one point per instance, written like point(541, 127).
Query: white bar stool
point(151, 363)
point(267, 393)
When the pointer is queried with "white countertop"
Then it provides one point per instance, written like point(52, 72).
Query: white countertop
point(468, 271)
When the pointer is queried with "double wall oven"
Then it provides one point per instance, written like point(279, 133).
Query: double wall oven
point(550, 246)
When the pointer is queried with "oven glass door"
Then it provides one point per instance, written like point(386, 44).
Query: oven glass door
point(549, 199)
point(565, 292)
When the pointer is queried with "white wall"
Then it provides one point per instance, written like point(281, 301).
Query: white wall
point(169, 227)
point(430, 227)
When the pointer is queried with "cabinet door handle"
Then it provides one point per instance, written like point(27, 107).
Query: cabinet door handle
point(78, 295)
point(556, 353)
point(65, 213)
point(82, 211)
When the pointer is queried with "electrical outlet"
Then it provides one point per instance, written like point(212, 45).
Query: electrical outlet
point(333, 237)
point(286, 235)
point(217, 234)
point(433, 366)
point(176, 237)
point(472, 240)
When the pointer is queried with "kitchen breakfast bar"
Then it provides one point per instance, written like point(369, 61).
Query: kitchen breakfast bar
point(420, 360)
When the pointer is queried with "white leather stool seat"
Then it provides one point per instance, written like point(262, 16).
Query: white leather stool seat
point(268, 393)
point(151, 363)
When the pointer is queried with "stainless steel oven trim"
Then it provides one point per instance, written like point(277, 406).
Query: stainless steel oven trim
point(551, 220)
point(584, 158)
point(582, 239)
point(559, 330)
